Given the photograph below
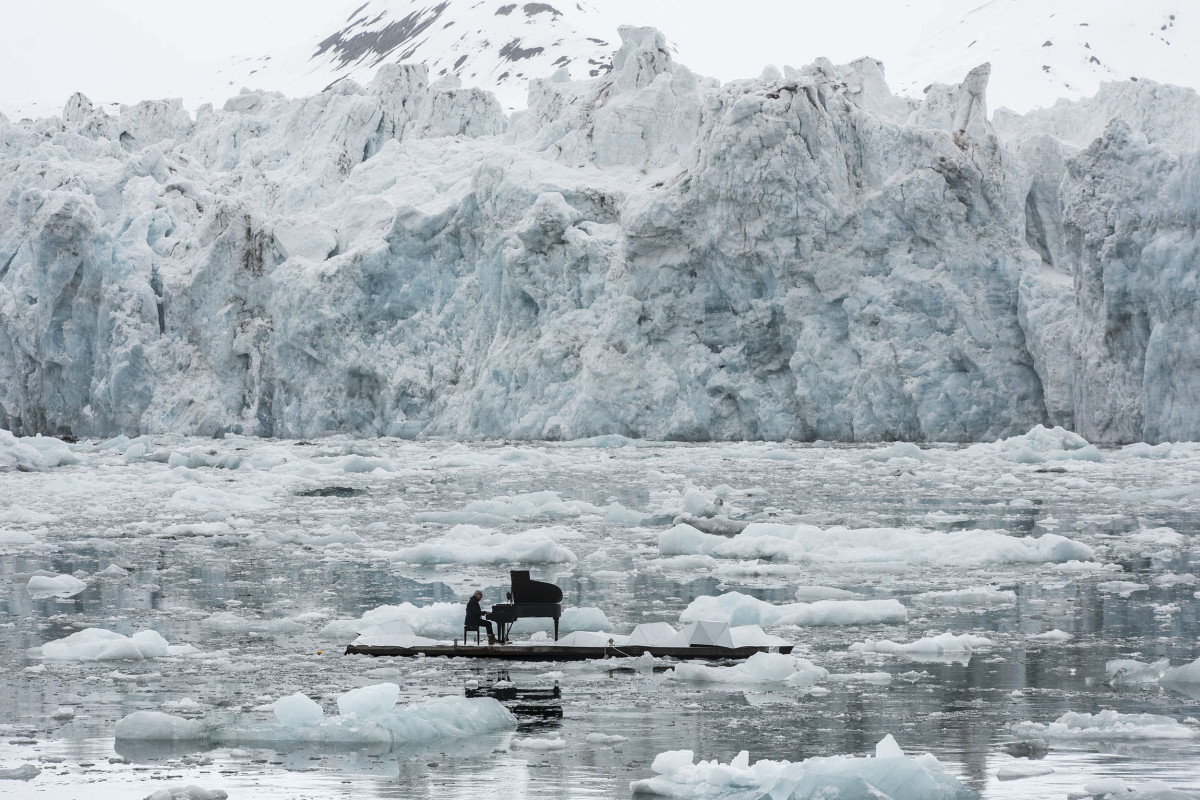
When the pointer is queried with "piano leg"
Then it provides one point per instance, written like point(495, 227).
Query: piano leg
point(556, 629)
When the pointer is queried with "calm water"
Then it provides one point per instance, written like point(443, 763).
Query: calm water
point(248, 561)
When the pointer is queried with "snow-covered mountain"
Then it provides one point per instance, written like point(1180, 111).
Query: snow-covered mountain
point(492, 44)
point(1041, 51)
point(645, 253)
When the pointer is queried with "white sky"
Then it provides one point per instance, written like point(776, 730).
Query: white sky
point(128, 50)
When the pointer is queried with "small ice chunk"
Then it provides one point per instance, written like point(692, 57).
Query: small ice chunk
point(43, 586)
point(369, 700)
point(758, 668)
point(808, 594)
point(1130, 673)
point(697, 502)
point(297, 709)
point(1122, 588)
point(25, 772)
point(97, 644)
point(158, 726)
point(888, 748)
point(672, 760)
point(1051, 636)
point(188, 793)
point(539, 744)
point(1023, 769)
point(1107, 725)
point(1186, 675)
point(606, 739)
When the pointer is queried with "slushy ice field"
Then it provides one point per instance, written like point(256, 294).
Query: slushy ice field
point(1025, 611)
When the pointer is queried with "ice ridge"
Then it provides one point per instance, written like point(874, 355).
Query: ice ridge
point(645, 254)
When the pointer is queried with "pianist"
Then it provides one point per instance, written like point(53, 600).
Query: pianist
point(475, 617)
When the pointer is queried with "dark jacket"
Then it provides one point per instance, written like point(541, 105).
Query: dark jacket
point(474, 614)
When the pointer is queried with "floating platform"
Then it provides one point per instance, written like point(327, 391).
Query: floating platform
point(517, 652)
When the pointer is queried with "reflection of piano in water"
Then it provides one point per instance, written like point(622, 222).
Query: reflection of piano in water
point(533, 708)
point(528, 598)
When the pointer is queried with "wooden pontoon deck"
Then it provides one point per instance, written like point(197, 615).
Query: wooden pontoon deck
point(517, 652)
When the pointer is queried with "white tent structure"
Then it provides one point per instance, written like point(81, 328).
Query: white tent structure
point(656, 634)
point(755, 636)
point(708, 632)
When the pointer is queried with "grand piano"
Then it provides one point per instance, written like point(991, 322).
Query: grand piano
point(528, 598)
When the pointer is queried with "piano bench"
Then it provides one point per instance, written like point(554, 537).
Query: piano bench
point(467, 630)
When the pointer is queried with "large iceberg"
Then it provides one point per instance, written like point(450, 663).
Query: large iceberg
point(645, 254)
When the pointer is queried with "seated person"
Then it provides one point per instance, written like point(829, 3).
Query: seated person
point(475, 617)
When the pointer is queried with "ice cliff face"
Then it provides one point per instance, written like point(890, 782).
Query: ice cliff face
point(803, 255)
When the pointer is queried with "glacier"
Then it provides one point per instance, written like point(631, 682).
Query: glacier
point(647, 254)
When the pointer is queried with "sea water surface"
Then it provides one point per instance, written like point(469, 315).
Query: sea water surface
point(248, 549)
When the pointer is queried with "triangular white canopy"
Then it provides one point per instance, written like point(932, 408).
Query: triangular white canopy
point(709, 632)
point(656, 634)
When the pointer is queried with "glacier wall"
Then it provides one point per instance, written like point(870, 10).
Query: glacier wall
point(803, 255)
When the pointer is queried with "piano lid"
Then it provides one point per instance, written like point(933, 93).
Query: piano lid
point(525, 590)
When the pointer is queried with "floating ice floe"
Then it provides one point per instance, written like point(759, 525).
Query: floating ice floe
point(1187, 675)
point(43, 586)
point(159, 726)
point(1122, 588)
point(1172, 579)
point(530, 506)
point(368, 719)
point(806, 543)
point(97, 644)
point(741, 609)
point(899, 450)
point(445, 621)
point(1107, 725)
point(1117, 789)
point(319, 537)
point(18, 538)
point(758, 668)
point(203, 499)
point(393, 633)
point(1041, 444)
point(940, 647)
point(229, 622)
point(470, 544)
point(504, 458)
point(25, 772)
point(189, 792)
point(890, 775)
point(1131, 673)
point(606, 738)
point(1023, 769)
point(807, 594)
point(24, 516)
point(298, 709)
point(978, 597)
point(34, 452)
point(539, 744)
point(1052, 636)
